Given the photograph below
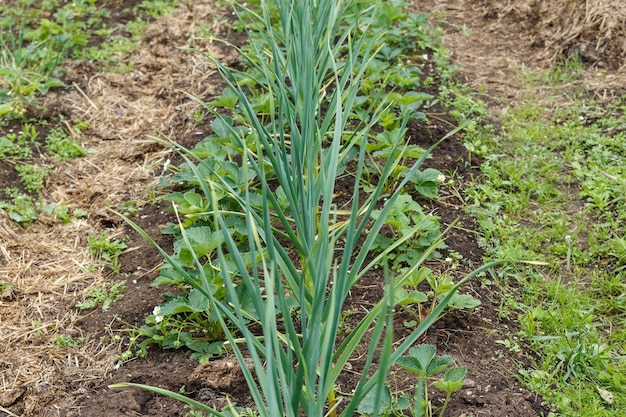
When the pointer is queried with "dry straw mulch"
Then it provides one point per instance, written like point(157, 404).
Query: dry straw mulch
point(494, 42)
point(47, 267)
point(44, 271)
point(595, 30)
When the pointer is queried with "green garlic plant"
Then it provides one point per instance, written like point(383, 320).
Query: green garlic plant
point(312, 62)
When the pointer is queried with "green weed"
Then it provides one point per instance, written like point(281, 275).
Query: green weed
point(156, 8)
point(62, 146)
point(66, 341)
point(18, 145)
point(26, 68)
point(107, 249)
point(106, 295)
point(32, 176)
point(552, 193)
point(62, 212)
point(30, 52)
point(21, 208)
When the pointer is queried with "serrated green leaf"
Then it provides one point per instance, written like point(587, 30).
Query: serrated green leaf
point(409, 324)
point(193, 199)
point(409, 98)
point(222, 126)
point(418, 277)
point(455, 374)
point(197, 301)
point(400, 295)
point(174, 306)
point(404, 297)
point(204, 351)
point(427, 189)
point(452, 381)
point(411, 364)
point(463, 301)
point(426, 182)
point(417, 297)
point(439, 364)
point(368, 405)
point(227, 100)
point(203, 239)
point(419, 359)
point(175, 197)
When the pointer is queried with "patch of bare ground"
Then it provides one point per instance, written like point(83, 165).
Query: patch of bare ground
point(494, 41)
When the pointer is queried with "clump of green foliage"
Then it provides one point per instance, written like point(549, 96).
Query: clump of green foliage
point(32, 176)
point(31, 53)
point(106, 295)
point(22, 208)
point(60, 145)
point(23, 205)
point(107, 249)
point(267, 176)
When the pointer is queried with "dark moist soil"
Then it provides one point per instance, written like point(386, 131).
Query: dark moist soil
point(470, 337)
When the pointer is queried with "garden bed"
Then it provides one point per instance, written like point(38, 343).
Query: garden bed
point(59, 360)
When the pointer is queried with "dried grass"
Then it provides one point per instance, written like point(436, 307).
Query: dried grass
point(46, 268)
point(44, 272)
point(595, 30)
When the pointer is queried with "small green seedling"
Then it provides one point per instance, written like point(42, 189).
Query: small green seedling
point(61, 146)
point(423, 361)
point(106, 295)
point(452, 381)
point(108, 250)
point(67, 341)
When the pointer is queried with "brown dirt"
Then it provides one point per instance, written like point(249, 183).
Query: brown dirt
point(493, 47)
point(49, 268)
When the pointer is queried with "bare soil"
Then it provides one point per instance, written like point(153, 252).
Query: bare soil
point(48, 267)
